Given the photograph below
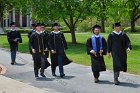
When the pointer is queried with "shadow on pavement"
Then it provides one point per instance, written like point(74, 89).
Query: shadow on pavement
point(131, 85)
point(106, 82)
point(44, 79)
point(19, 64)
point(66, 77)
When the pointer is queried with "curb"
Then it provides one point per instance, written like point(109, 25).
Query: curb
point(3, 69)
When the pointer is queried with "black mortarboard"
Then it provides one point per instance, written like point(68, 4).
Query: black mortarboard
point(12, 23)
point(117, 24)
point(43, 24)
point(33, 24)
point(96, 26)
point(38, 24)
point(55, 24)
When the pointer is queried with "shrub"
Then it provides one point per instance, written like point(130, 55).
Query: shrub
point(108, 29)
point(128, 29)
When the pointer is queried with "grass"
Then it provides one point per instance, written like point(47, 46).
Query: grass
point(78, 52)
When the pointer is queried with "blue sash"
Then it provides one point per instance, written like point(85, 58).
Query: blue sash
point(94, 43)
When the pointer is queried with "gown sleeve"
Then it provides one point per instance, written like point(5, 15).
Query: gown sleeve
point(104, 46)
point(19, 38)
point(9, 37)
point(89, 46)
point(109, 43)
point(64, 41)
point(51, 41)
point(31, 41)
point(127, 42)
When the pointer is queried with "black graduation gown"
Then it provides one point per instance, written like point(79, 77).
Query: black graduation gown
point(29, 35)
point(46, 40)
point(38, 43)
point(98, 63)
point(58, 43)
point(117, 45)
point(11, 35)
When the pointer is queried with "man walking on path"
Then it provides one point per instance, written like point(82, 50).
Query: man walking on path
point(118, 42)
point(96, 48)
point(14, 38)
point(58, 45)
point(39, 47)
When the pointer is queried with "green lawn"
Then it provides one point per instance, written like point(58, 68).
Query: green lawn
point(78, 52)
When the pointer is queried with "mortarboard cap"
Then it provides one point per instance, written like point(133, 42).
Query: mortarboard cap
point(55, 24)
point(96, 26)
point(43, 25)
point(33, 24)
point(117, 24)
point(12, 23)
point(38, 24)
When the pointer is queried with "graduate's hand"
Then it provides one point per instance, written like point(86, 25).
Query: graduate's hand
point(101, 51)
point(128, 50)
point(53, 51)
point(92, 52)
point(33, 50)
point(46, 50)
point(15, 40)
point(109, 55)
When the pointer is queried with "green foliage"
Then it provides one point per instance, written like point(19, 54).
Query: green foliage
point(108, 29)
point(128, 29)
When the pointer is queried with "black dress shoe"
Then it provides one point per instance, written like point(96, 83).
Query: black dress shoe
point(96, 80)
point(62, 75)
point(53, 74)
point(42, 75)
point(36, 76)
point(15, 63)
point(12, 63)
point(116, 82)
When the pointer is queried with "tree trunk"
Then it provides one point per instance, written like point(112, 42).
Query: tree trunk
point(133, 25)
point(72, 30)
point(71, 26)
point(1, 13)
point(103, 24)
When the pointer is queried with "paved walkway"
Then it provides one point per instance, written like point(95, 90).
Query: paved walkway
point(78, 78)
point(8, 85)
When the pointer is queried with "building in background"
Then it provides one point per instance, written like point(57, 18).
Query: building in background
point(17, 17)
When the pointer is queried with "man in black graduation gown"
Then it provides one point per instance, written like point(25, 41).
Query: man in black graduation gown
point(46, 38)
point(58, 45)
point(14, 38)
point(30, 33)
point(38, 47)
point(118, 43)
point(96, 48)
point(32, 30)
point(46, 41)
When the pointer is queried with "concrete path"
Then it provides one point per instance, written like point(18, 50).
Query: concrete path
point(8, 85)
point(78, 78)
point(1, 31)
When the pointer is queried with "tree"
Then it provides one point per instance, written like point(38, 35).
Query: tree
point(71, 11)
point(101, 7)
point(4, 4)
point(134, 12)
point(68, 10)
point(118, 11)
